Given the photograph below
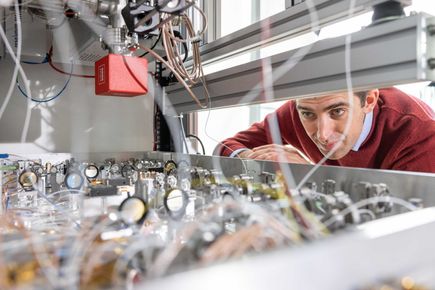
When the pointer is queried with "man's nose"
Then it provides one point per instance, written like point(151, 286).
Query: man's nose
point(325, 128)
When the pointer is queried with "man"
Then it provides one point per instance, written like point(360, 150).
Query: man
point(388, 129)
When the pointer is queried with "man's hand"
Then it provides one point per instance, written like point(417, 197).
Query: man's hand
point(245, 153)
point(274, 152)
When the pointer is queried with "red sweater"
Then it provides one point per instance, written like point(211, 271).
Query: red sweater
point(402, 136)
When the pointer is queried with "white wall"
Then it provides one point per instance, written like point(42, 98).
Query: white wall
point(78, 121)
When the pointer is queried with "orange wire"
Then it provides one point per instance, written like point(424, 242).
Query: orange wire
point(50, 53)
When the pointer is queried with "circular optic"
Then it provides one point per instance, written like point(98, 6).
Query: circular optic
point(114, 168)
point(91, 171)
point(127, 171)
point(170, 166)
point(175, 202)
point(28, 179)
point(133, 210)
point(139, 165)
point(74, 180)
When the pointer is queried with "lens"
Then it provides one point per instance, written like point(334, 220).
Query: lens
point(91, 171)
point(133, 210)
point(73, 180)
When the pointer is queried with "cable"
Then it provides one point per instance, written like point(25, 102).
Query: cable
point(270, 225)
point(185, 48)
point(267, 81)
point(216, 164)
point(372, 200)
point(49, 99)
point(197, 37)
point(170, 41)
point(16, 58)
point(180, 117)
point(50, 62)
point(179, 78)
point(367, 212)
point(174, 62)
point(155, 128)
point(199, 141)
point(45, 60)
point(59, 208)
point(154, 45)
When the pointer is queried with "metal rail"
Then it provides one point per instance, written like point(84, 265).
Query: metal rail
point(383, 55)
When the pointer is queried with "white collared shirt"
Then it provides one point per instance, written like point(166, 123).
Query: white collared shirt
point(368, 120)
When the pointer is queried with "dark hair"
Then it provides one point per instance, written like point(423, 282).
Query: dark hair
point(362, 95)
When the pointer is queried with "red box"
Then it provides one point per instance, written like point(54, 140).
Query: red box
point(119, 75)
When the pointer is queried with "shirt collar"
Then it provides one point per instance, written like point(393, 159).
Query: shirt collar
point(368, 120)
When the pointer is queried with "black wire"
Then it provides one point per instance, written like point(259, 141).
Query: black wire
point(199, 140)
point(186, 50)
point(178, 35)
point(154, 45)
point(45, 60)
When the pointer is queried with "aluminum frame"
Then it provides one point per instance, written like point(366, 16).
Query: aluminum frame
point(375, 61)
point(291, 22)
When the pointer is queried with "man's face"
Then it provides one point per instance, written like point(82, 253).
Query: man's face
point(325, 119)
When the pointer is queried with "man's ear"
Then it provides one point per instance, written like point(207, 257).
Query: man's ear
point(371, 100)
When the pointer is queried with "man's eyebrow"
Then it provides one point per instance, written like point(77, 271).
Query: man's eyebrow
point(302, 108)
point(337, 105)
point(333, 106)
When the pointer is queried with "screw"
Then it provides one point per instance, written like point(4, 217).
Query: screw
point(431, 29)
point(431, 63)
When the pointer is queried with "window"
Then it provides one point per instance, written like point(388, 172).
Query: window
point(236, 15)
point(216, 125)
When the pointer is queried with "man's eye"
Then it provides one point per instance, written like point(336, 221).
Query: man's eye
point(307, 115)
point(337, 112)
